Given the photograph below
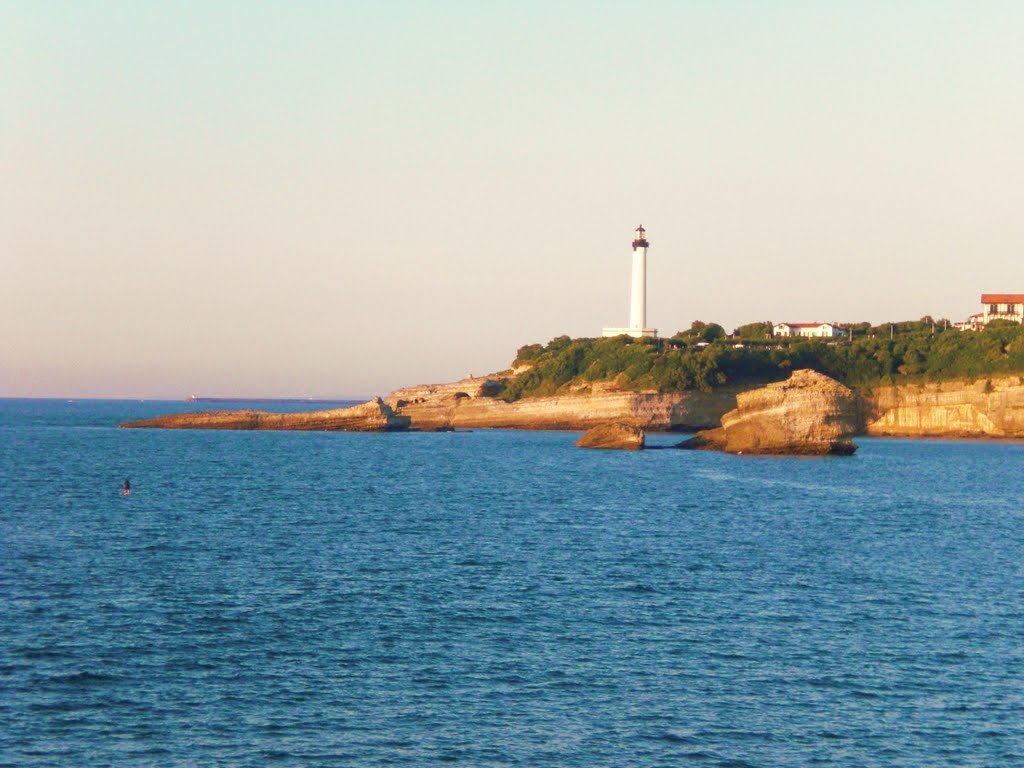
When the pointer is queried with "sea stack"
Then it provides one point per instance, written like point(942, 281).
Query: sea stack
point(808, 414)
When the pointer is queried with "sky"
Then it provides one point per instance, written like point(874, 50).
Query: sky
point(315, 199)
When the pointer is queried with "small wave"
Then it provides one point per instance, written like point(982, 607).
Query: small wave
point(54, 707)
point(726, 655)
point(640, 589)
point(276, 755)
point(189, 665)
point(153, 751)
point(826, 682)
point(43, 654)
point(677, 738)
point(84, 679)
point(157, 547)
point(865, 694)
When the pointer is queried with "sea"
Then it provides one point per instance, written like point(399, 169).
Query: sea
point(499, 598)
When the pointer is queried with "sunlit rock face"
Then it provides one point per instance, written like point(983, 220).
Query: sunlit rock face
point(808, 414)
point(989, 407)
point(472, 404)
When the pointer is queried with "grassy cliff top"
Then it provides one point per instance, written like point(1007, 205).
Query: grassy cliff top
point(704, 358)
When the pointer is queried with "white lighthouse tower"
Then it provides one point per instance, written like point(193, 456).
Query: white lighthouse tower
point(638, 294)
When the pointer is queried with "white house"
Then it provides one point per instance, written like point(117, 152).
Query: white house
point(813, 330)
point(972, 323)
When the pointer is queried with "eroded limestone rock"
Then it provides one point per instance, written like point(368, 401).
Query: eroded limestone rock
point(989, 407)
point(471, 404)
point(808, 414)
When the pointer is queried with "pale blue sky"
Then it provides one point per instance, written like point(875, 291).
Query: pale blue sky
point(334, 199)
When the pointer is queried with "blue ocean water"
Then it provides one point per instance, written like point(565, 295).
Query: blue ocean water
point(500, 598)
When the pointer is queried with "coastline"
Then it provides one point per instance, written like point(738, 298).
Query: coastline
point(990, 409)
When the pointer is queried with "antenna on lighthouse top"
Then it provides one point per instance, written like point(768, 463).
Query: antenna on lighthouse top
point(640, 241)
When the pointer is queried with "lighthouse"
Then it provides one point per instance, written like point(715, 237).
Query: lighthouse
point(638, 292)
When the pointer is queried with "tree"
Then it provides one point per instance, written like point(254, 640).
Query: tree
point(527, 353)
point(701, 331)
point(754, 331)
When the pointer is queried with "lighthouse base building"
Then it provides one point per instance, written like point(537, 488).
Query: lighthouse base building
point(638, 295)
point(636, 333)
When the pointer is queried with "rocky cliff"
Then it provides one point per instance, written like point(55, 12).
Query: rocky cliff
point(985, 408)
point(468, 404)
point(809, 413)
point(372, 416)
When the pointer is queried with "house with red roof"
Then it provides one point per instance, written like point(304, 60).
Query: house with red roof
point(1002, 306)
point(995, 306)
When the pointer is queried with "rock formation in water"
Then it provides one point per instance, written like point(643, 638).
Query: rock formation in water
point(470, 403)
point(624, 437)
point(809, 413)
point(990, 407)
point(372, 416)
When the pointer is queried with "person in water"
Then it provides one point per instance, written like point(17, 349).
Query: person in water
point(127, 488)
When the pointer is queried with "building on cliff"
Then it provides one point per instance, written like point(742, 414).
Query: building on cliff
point(638, 293)
point(995, 306)
point(811, 330)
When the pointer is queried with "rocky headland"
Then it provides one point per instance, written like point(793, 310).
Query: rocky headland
point(372, 416)
point(808, 414)
point(985, 408)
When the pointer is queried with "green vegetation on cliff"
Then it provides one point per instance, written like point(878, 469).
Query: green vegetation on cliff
point(703, 358)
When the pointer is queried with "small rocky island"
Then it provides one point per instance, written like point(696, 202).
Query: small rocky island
point(617, 436)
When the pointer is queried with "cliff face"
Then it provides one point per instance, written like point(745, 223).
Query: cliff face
point(985, 408)
point(809, 413)
point(373, 416)
point(464, 404)
point(988, 407)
